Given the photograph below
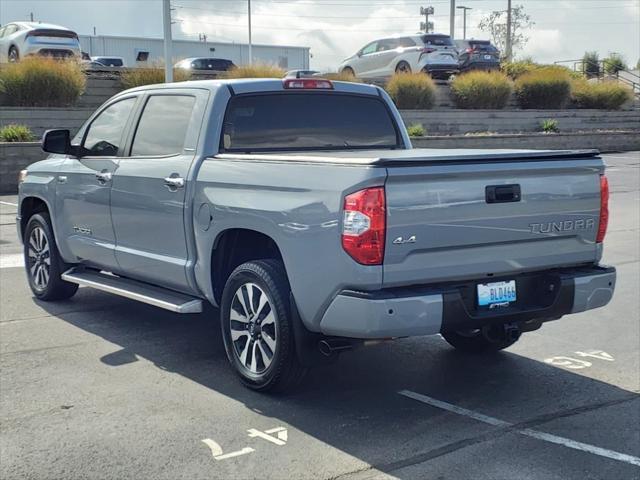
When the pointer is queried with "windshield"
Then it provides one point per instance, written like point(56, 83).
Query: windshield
point(307, 121)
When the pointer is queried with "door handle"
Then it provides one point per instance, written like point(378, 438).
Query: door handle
point(174, 182)
point(104, 176)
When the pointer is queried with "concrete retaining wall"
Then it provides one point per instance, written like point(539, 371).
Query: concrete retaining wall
point(41, 119)
point(13, 158)
point(451, 122)
point(603, 141)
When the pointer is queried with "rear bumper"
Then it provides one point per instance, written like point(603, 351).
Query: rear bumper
point(428, 310)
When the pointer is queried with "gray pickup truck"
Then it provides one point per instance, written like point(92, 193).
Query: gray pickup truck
point(300, 208)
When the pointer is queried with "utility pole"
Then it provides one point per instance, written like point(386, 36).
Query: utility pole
point(464, 20)
point(166, 26)
point(426, 25)
point(31, 16)
point(250, 46)
point(452, 19)
point(509, 47)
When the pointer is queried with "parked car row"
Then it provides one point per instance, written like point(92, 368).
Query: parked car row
point(435, 54)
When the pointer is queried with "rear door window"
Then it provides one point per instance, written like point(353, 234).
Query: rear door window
point(307, 121)
point(406, 42)
point(163, 125)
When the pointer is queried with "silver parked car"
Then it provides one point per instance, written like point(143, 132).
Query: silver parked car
point(20, 39)
point(432, 53)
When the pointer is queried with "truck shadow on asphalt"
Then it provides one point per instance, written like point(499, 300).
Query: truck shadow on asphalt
point(353, 404)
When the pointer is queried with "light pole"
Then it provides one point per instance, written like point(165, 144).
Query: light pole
point(464, 20)
point(452, 20)
point(166, 26)
point(250, 46)
point(509, 44)
point(427, 25)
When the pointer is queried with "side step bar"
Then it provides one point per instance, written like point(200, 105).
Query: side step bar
point(142, 292)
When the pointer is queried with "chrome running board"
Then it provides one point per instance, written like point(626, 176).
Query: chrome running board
point(134, 290)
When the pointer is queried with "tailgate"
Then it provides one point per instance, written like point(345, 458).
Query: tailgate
point(453, 219)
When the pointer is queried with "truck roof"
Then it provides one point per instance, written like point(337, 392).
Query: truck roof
point(255, 85)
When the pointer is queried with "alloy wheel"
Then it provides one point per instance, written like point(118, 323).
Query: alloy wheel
point(253, 327)
point(39, 258)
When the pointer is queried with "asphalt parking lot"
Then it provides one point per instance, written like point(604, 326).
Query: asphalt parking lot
point(103, 387)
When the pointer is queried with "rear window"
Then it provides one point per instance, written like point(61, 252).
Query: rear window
point(439, 40)
point(307, 121)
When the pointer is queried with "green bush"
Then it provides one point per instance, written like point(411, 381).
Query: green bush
point(604, 95)
point(481, 90)
point(15, 133)
point(412, 90)
point(549, 126)
point(41, 82)
point(614, 63)
point(258, 70)
point(415, 130)
point(544, 88)
point(137, 77)
point(591, 64)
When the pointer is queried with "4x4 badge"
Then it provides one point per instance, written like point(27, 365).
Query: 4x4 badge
point(402, 240)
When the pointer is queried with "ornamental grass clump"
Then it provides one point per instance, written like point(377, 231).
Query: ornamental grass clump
point(412, 90)
point(479, 89)
point(41, 82)
point(544, 88)
point(138, 77)
point(16, 133)
point(604, 95)
point(259, 70)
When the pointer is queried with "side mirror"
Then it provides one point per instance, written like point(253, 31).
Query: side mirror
point(57, 141)
point(359, 54)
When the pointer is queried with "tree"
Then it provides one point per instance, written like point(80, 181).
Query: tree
point(614, 63)
point(496, 24)
point(591, 64)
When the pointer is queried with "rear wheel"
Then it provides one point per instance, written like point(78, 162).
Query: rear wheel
point(257, 327)
point(484, 340)
point(14, 56)
point(43, 262)
point(403, 67)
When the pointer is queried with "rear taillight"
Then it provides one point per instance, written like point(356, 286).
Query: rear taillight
point(364, 226)
point(471, 50)
point(426, 51)
point(604, 209)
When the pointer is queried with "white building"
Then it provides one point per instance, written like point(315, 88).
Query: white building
point(135, 50)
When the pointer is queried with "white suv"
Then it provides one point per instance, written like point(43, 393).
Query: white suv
point(19, 39)
point(432, 53)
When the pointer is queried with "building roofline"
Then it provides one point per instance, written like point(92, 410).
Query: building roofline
point(125, 37)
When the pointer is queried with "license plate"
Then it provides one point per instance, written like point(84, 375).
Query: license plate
point(496, 293)
point(488, 57)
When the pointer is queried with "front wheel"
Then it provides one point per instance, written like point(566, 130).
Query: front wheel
point(349, 71)
point(14, 56)
point(43, 262)
point(257, 327)
point(483, 340)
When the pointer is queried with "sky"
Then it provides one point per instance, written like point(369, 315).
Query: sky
point(335, 29)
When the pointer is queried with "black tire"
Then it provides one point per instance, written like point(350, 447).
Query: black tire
point(348, 71)
point(403, 67)
point(258, 333)
point(13, 55)
point(43, 263)
point(486, 340)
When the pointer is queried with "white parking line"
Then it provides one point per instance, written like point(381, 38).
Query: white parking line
point(11, 260)
point(547, 437)
point(8, 203)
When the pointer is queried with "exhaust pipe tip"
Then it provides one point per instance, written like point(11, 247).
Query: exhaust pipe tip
point(325, 348)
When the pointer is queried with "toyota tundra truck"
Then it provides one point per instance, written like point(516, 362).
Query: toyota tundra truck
point(301, 210)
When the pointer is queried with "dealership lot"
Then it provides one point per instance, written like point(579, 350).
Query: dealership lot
point(103, 387)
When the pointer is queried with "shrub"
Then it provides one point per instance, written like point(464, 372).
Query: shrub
point(415, 130)
point(514, 70)
point(41, 82)
point(341, 77)
point(614, 63)
point(412, 90)
point(604, 95)
point(591, 64)
point(481, 90)
point(137, 77)
point(549, 126)
point(259, 70)
point(544, 88)
point(16, 133)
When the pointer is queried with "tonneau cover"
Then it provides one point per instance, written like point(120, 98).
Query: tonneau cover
point(412, 156)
